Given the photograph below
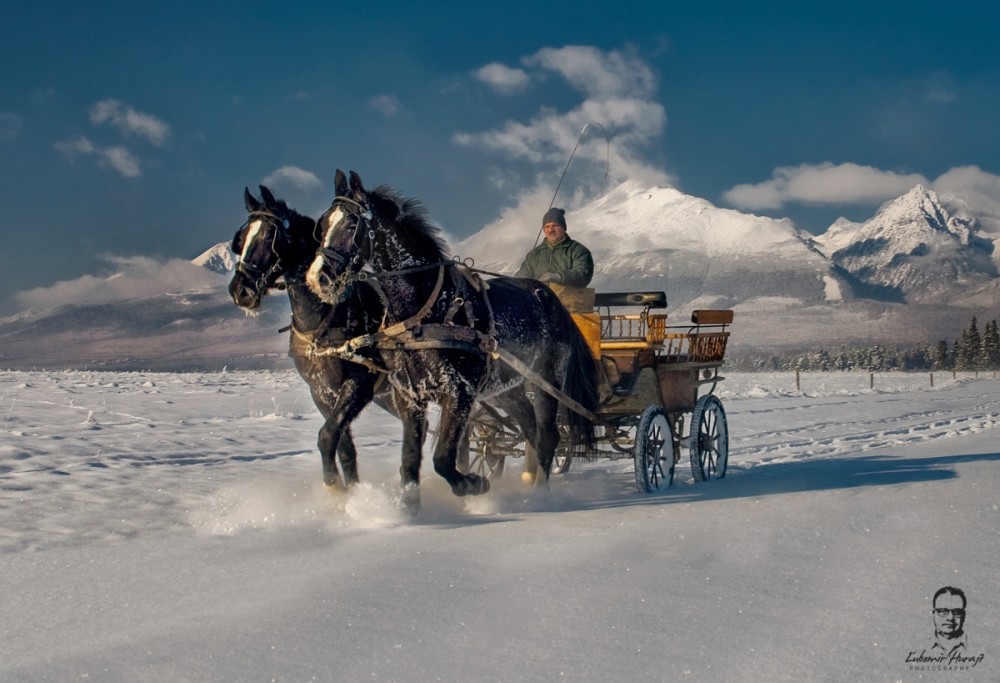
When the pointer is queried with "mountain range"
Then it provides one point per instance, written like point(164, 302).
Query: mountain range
point(915, 272)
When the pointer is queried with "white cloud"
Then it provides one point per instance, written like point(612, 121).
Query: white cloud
point(130, 121)
point(502, 78)
point(117, 158)
point(10, 126)
point(387, 105)
point(134, 277)
point(598, 74)
point(979, 190)
point(294, 177)
point(618, 92)
point(824, 183)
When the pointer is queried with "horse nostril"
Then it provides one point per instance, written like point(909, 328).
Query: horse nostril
point(324, 280)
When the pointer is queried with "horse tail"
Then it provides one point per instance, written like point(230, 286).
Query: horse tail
point(580, 384)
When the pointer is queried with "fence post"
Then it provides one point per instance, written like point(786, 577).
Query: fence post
point(932, 380)
point(797, 385)
point(871, 381)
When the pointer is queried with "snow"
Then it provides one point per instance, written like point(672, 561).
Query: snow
point(173, 527)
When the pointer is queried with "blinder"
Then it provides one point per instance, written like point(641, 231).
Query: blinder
point(261, 278)
point(362, 229)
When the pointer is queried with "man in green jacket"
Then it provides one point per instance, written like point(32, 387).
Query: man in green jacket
point(559, 259)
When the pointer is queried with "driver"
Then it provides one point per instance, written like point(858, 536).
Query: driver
point(559, 259)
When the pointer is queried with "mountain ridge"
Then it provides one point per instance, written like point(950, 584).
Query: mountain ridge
point(858, 283)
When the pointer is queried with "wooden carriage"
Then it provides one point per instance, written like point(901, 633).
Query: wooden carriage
point(657, 382)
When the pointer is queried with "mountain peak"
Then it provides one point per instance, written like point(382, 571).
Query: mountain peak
point(218, 259)
point(914, 248)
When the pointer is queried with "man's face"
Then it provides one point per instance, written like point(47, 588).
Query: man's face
point(554, 232)
point(949, 615)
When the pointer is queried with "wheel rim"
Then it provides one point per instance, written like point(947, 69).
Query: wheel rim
point(712, 439)
point(657, 435)
point(653, 448)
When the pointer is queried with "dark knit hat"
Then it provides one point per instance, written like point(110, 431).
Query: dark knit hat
point(555, 215)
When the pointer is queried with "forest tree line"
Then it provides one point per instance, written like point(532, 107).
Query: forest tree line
point(973, 350)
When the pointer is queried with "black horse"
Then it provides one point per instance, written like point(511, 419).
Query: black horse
point(451, 337)
point(276, 243)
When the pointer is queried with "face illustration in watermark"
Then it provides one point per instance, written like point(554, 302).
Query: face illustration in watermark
point(949, 619)
point(949, 649)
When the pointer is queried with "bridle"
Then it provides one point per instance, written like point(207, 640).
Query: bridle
point(262, 278)
point(363, 229)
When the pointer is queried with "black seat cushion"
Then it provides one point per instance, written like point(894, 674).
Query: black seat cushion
point(648, 299)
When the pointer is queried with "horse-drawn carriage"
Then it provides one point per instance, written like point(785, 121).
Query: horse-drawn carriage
point(652, 375)
point(375, 296)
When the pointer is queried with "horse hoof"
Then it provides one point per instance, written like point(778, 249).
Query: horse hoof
point(528, 478)
point(471, 485)
point(410, 499)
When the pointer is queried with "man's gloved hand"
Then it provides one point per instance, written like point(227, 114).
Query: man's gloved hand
point(551, 277)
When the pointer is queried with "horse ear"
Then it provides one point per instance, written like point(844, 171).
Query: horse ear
point(266, 195)
point(340, 183)
point(356, 182)
point(250, 201)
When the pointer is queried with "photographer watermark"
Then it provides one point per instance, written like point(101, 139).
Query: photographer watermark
point(949, 650)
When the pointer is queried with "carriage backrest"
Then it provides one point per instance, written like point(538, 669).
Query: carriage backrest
point(712, 317)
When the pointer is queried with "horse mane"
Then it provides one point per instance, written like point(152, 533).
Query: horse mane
point(299, 225)
point(421, 234)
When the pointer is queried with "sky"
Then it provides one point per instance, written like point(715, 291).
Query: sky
point(174, 527)
point(129, 130)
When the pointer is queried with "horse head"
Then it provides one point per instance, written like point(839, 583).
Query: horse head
point(263, 243)
point(346, 239)
point(377, 232)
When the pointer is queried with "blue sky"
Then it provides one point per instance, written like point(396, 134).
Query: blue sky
point(130, 129)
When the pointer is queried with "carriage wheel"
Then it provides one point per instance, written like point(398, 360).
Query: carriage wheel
point(653, 451)
point(709, 441)
point(487, 435)
point(561, 463)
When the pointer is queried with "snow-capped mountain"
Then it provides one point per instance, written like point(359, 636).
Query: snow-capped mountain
point(662, 239)
point(914, 249)
point(916, 271)
point(219, 259)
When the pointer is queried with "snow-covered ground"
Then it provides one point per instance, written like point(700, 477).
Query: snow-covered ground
point(173, 527)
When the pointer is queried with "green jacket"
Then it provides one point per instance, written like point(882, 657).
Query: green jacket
point(569, 259)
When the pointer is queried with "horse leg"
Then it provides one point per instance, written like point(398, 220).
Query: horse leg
point(516, 404)
point(328, 442)
point(335, 436)
point(414, 431)
point(455, 410)
point(546, 435)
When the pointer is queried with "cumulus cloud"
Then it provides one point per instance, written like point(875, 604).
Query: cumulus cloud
point(130, 121)
point(116, 158)
point(10, 126)
point(294, 177)
point(598, 74)
point(824, 183)
point(387, 105)
point(502, 78)
point(977, 188)
point(617, 90)
point(134, 277)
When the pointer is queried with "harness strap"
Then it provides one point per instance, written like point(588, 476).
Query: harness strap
point(414, 320)
point(522, 368)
